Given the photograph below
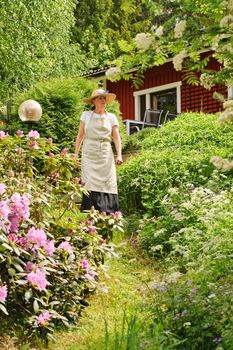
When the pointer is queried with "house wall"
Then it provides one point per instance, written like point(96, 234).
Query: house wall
point(193, 98)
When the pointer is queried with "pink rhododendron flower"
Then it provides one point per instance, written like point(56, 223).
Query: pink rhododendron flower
point(3, 293)
point(33, 144)
point(29, 266)
point(14, 220)
point(37, 279)
point(88, 222)
point(12, 237)
point(19, 133)
point(3, 135)
point(92, 229)
point(4, 210)
point(49, 247)
point(66, 247)
point(2, 188)
point(64, 151)
point(78, 180)
point(84, 264)
point(23, 243)
point(20, 206)
point(37, 236)
point(44, 318)
point(33, 134)
point(117, 215)
point(90, 276)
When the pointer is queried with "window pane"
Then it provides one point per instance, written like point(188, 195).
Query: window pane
point(165, 100)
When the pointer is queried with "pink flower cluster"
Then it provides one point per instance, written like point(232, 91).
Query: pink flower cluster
point(3, 293)
point(14, 210)
point(92, 229)
point(36, 236)
point(3, 135)
point(21, 241)
point(37, 279)
point(64, 152)
point(44, 318)
point(19, 206)
point(33, 134)
point(19, 133)
point(66, 247)
point(39, 239)
point(33, 144)
point(84, 264)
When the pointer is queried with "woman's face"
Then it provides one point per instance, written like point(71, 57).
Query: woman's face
point(100, 101)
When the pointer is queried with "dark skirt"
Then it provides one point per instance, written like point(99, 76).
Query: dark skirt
point(107, 202)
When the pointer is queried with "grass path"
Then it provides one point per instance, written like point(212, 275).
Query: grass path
point(119, 299)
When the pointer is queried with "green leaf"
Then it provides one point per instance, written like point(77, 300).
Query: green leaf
point(2, 307)
point(28, 294)
point(36, 306)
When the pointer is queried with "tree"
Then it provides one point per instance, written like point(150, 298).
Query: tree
point(101, 24)
point(35, 42)
point(182, 29)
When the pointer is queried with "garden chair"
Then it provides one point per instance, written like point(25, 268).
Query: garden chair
point(169, 116)
point(152, 118)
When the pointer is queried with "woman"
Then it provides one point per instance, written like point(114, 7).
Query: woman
point(96, 130)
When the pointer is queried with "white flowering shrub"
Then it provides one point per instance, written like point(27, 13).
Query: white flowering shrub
point(143, 41)
point(49, 263)
point(113, 73)
point(178, 60)
point(179, 29)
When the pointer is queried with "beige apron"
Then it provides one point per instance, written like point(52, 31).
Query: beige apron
point(98, 165)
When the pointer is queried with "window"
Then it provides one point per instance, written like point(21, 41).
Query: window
point(164, 97)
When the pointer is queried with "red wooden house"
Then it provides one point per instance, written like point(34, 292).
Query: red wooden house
point(163, 89)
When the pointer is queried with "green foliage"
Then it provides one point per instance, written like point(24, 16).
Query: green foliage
point(49, 262)
point(100, 24)
point(187, 228)
point(35, 43)
point(207, 25)
point(62, 104)
point(176, 154)
point(194, 237)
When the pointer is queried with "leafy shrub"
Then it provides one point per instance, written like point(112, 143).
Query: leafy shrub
point(48, 266)
point(62, 104)
point(196, 309)
point(176, 154)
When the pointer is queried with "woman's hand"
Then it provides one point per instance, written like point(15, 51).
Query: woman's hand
point(119, 160)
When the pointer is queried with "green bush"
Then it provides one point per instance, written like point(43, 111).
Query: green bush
point(176, 154)
point(187, 228)
point(193, 301)
point(62, 104)
point(49, 261)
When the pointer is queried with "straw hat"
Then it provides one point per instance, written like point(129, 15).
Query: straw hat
point(100, 92)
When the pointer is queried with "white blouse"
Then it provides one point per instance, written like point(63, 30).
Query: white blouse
point(86, 116)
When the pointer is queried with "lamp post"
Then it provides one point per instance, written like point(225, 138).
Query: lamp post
point(30, 112)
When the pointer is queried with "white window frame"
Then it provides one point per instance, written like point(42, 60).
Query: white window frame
point(230, 92)
point(149, 91)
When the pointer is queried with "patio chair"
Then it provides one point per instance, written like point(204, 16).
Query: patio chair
point(169, 116)
point(133, 129)
point(152, 117)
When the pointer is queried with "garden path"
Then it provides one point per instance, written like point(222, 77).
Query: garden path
point(121, 297)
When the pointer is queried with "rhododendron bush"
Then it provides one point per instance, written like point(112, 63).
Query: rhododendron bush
point(49, 263)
